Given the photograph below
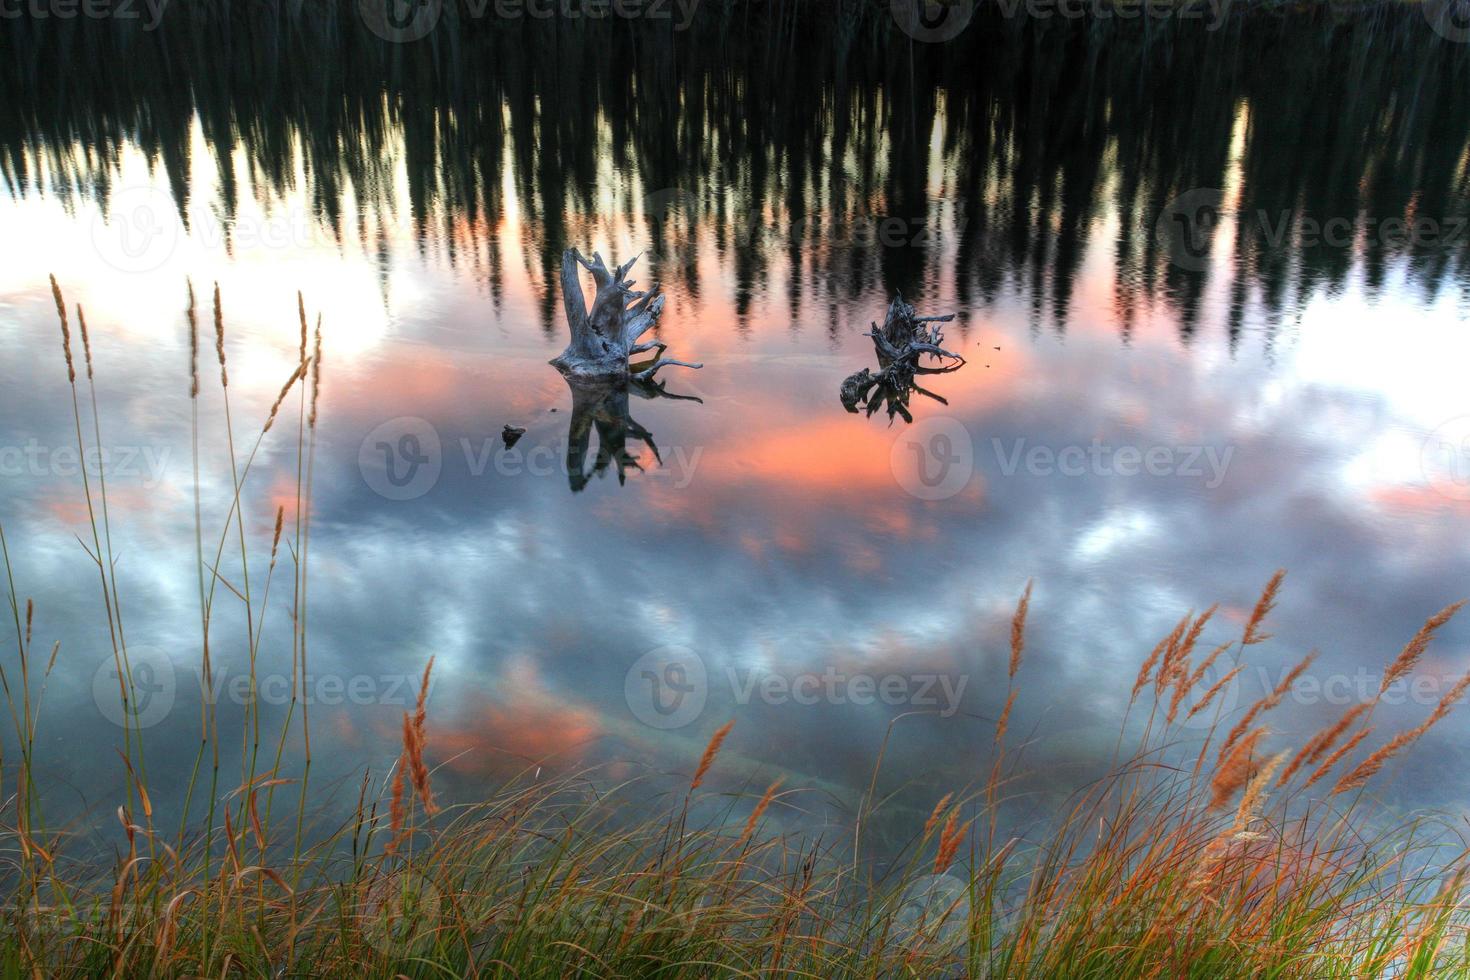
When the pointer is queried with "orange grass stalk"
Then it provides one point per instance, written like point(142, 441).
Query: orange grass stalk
point(1263, 608)
point(1318, 745)
point(1209, 695)
point(1146, 669)
point(71, 373)
point(1018, 629)
point(86, 341)
point(938, 811)
point(1162, 650)
point(1171, 647)
point(1416, 646)
point(1192, 637)
point(1236, 770)
point(1447, 702)
point(1255, 791)
point(420, 740)
point(1268, 702)
point(710, 751)
point(1182, 679)
point(316, 373)
point(276, 534)
point(396, 807)
point(418, 769)
point(1370, 766)
point(1207, 663)
point(949, 841)
point(301, 309)
point(193, 343)
point(285, 388)
point(420, 710)
point(759, 811)
point(219, 338)
point(1330, 737)
point(1005, 717)
point(1337, 756)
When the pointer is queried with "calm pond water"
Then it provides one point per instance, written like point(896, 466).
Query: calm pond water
point(1211, 290)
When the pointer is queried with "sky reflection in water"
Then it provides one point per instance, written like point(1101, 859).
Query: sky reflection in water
point(1294, 393)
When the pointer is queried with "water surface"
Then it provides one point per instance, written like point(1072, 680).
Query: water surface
point(1198, 349)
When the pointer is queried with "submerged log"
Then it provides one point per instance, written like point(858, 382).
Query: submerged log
point(900, 343)
point(607, 335)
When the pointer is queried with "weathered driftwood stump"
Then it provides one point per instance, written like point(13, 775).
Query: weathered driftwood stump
point(606, 336)
point(900, 343)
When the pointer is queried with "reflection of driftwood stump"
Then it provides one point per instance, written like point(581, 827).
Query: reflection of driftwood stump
point(607, 335)
point(602, 405)
point(903, 339)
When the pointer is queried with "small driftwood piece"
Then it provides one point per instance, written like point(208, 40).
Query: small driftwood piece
point(605, 336)
point(900, 343)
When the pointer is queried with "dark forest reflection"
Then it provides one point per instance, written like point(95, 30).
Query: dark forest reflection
point(826, 137)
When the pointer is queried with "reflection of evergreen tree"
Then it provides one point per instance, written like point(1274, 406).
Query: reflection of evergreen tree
point(788, 131)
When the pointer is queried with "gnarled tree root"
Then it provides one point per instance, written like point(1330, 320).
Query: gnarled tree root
point(903, 339)
point(607, 335)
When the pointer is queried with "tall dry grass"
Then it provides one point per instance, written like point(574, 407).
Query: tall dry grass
point(1200, 854)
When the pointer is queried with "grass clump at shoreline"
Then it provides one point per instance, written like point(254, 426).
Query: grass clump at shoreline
point(1209, 849)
